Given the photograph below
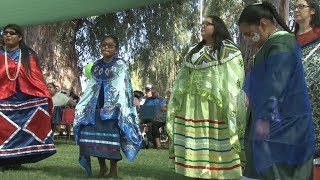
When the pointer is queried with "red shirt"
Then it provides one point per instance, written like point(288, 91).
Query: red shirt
point(32, 84)
point(307, 37)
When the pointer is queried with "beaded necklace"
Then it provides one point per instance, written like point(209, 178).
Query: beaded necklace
point(7, 66)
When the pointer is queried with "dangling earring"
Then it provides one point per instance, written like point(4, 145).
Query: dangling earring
point(255, 37)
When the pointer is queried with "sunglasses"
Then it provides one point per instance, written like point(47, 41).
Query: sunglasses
point(10, 33)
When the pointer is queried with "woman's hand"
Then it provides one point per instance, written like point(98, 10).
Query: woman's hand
point(262, 129)
point(246, 100)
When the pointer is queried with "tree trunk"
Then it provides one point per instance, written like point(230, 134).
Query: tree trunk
point(55, 47)
point(282, 8)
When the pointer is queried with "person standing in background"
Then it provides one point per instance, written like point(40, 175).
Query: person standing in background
point(307, 31)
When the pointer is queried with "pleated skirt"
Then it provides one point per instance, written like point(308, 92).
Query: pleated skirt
point(201, 145)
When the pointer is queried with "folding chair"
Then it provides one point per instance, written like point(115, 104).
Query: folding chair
point(67, 119)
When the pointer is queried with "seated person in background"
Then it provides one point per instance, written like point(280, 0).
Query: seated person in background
point(147, 93)
point(153, 112)
point(59, 100)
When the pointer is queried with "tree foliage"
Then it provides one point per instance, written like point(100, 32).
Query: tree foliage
point(154, 38)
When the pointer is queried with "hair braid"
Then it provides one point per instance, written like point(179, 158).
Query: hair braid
point(276, 15)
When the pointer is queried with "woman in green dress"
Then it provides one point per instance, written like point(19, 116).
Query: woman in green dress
point(201, 114)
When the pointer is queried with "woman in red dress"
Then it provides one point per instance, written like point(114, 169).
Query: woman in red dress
point(25, 103)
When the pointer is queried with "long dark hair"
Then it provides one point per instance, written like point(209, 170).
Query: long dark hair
point(315, 18)
point(220, 33)
point(25, 60)
point(252, 14)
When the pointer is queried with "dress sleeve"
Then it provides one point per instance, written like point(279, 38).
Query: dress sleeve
point(277, 70)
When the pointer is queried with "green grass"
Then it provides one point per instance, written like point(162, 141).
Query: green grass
point(149, 164)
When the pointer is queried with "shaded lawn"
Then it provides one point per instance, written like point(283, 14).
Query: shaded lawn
point(149, 164)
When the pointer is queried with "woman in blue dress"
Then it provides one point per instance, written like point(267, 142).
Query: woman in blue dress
point(279, 135)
